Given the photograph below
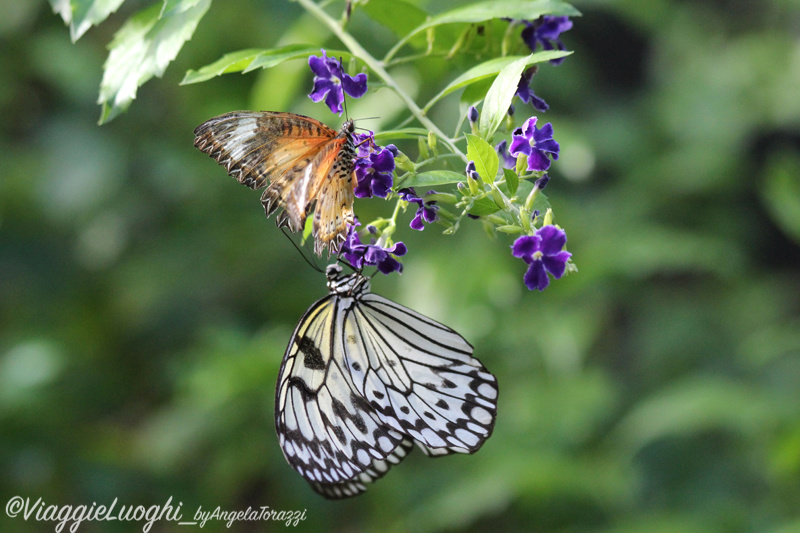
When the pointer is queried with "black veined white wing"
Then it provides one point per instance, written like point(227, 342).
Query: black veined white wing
point(364, 377)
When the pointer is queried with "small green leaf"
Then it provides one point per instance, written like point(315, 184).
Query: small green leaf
point(143, 48)
point(251, 59)
point(485, 157)
point(482, 11)
point(433, 178)
point(81, 15)
point(498, 99)
point(483, 207)
point(541, 202)
point(405, 133)
point(491, 68)
point(270, 58)
point(233, 62)
point(512, 180)
point(781, 192)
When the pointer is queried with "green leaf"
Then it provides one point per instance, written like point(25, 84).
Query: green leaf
point(482, 11)
point(512, 180)
point(500, 94)
point(405, 133)
point(541, 202)
point(81, 15)
point(143, 48)
point(433, 178)
point(482, 207)
point(385, 12)
point(487, 162)
point(491, 68)
point(781, 192)
point(251, 59)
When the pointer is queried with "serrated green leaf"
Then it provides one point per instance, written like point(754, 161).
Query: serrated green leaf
point(143, 48)
point(483, 207)
point(251, 59)
point(491, 68)
point(512, 180)
point(81, 15)
point(433, 178)
point(482, 11)
point(487, 162)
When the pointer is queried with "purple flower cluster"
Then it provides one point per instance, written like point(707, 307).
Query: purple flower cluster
point(543, 252)
point(374, 167)
point(360, 255)
point(537, 144)
point(546, 31)
point(425, 210)
point(330, 82)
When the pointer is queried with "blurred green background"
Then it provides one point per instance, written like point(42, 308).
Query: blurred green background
point(145, 301)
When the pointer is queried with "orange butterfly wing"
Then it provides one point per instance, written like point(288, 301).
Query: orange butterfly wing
point(300, 159)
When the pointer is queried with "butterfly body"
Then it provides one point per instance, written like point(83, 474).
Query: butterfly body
point(365, 378)
point(302, 164)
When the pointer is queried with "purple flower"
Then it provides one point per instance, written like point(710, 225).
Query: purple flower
point(526, 94)
point(506, 159)
point(330, 81)
point(374, 172)
point(425, 211)
point(535, 143)
point(543, 251)
point(546, 31)
point(360, 255)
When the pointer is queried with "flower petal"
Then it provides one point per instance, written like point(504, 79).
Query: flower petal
point(543, 134)
point(536, 277)
point(538, 161)
point(356, 87)
point(525, 246)
point(321, 88)
point(519, 145)
point(556, 264)
point(334, 99)
point(319, 67)
point(553, 239)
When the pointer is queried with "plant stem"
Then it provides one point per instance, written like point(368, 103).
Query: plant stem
point(377, 67)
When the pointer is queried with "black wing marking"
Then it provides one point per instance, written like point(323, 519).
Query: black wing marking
point(328, 433)
point(419, 376)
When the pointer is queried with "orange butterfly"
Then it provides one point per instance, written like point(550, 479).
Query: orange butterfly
point(303, 163)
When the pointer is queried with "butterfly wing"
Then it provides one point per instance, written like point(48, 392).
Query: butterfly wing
point(257, 147)
point(376, 470)
point(325, 175)
point(419, 376)
point(299, 160)
point(326, 430)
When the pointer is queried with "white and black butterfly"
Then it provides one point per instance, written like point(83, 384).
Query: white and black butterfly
point(364, 378)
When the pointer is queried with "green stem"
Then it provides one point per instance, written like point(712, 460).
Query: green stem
point(377, 67)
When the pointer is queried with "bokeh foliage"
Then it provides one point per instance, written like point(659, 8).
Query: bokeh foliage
point(145, 301)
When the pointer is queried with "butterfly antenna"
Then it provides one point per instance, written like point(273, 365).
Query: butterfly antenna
point(344, 96)
point(302, 253)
